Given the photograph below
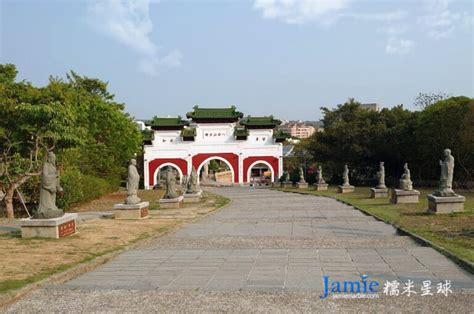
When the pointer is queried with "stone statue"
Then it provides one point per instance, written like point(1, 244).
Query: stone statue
point(320, 176)
point(381, 176)
point(405, 181)
point(302, 180)
point(171, 191)
point(133, 179)
point(446, 179)
point(184, 183)
point(192, 182)
point(287, 176)
point(345, 176)
point(159, 175)
point(276, 179)
point(49, 187)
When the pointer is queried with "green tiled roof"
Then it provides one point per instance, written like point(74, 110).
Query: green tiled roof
point(188, 132)
point(214, 113)
point(147, 135)
point(260, 121)
point(241, 132)
point(280, 136)
point(167, 122)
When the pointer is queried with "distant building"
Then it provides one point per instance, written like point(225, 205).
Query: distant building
point(370, 107)
point(298, 129)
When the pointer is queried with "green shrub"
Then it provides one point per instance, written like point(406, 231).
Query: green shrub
point(79, 188)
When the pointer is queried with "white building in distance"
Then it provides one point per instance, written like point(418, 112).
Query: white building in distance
point(213, 134)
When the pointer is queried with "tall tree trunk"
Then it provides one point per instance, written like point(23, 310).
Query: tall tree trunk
point(9, 202)
point(11, 191)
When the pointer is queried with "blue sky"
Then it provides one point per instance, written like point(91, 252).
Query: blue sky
point(281, 57)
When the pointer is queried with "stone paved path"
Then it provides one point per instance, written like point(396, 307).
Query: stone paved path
point(267, 242)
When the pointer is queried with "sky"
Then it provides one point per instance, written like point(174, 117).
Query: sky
point(287, 58)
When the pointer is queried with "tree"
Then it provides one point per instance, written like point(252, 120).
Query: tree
point(362, 138)
point(8, 73)
point(351, 135)
point(112, 136)
point(446, 124)
point(424, 100)
point(35, 129)
point(466, 143)
point(78, 117)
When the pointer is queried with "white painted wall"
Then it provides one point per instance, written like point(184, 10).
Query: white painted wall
point(212, 138)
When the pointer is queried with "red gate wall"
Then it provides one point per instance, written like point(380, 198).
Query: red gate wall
point(233, 160)
point(156, 163)
point(273, 161)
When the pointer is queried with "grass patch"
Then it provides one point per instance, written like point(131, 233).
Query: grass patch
point(8, 285)
point(454, 232)
point(219, 201)
point(26, 261)
point(154, 206)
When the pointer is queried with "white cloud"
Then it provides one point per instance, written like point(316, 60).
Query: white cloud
point(327, 12)
point(301, 11)
point(381, 17)
point(398, 46)
point(322, 11)
point(394, 29)
point(436, 21)
point(151, 66)
point(440, 22)
point(128, 22)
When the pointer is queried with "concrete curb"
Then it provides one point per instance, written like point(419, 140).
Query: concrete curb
point(463, 263)
point(69, 274)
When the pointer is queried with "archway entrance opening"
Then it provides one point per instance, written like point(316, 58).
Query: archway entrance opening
point(260, 173)
point(216, 171)
point(160, 174)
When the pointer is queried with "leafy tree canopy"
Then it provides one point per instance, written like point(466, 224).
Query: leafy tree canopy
point(362, 138)
point(76, 116)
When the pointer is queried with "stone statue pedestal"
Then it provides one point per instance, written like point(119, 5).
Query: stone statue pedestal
point(345, 189)
point(321, 186)
point(128, 211)
point(445, 204)
point(302, 185)
point(169, 203)
point(286, 184)
point(193, 197)
point(378, 193)
point(404, 197)
point(55, 228)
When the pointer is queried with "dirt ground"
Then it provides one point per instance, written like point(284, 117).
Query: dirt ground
point(26, 259)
